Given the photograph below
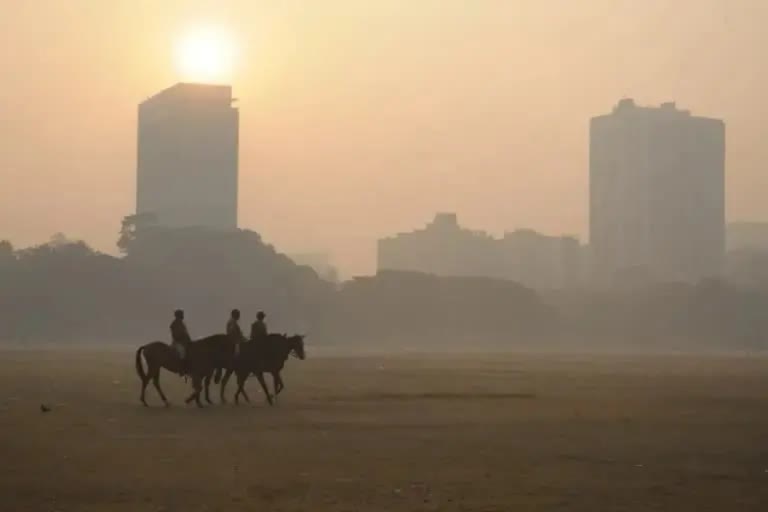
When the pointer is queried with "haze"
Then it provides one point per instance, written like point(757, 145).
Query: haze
point(362, 118)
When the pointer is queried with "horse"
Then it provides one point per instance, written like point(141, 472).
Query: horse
point(203, 358)
point(264, 356)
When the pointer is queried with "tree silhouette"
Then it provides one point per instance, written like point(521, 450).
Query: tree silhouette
point(132, 226)
point(7, 255)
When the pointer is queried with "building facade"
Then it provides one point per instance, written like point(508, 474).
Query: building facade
point(445, 248)
point(540, 261)
point(657, 193)
point(187, 169)
point(442, 248)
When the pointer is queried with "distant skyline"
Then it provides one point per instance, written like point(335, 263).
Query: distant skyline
point(360, 119)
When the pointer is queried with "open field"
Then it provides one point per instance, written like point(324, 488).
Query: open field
point(488, 433)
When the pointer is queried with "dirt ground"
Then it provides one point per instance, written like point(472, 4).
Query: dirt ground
point(412, 432)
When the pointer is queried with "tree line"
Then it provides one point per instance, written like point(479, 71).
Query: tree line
point(64, 291)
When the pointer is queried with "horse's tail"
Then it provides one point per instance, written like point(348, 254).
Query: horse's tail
point(217, 375)
point(139, 366)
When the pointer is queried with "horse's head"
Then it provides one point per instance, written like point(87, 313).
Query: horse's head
point(296, 342)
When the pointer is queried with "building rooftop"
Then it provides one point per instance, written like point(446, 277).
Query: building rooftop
point(448, 223)
point(184, 92)
point(627, 108)
point(626, 105)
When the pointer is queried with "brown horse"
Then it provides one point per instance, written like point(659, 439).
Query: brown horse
point(203, 358)
point(265, 356)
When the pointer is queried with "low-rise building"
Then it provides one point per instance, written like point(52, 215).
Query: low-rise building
point(445, 248)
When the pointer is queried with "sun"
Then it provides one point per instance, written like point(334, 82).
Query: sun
point(205, 54)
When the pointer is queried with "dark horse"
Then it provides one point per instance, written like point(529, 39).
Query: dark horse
point(265, 356)
point(204, 357)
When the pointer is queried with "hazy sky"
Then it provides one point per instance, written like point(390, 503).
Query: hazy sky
point(361, 118)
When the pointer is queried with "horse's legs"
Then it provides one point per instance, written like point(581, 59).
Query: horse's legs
point(156, 382)
point(240, 383)
point(144, 382)
point(224, 381)
point(260, 376)
point(152, 371)
point(194, 394)
point(197, 383)
point(278, 383)
point(207, 385)
point(244, 393)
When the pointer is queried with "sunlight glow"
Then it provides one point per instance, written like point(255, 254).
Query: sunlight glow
point(206, 55)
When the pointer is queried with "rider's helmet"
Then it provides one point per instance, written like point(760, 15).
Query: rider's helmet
point(179, 314)
point(236, 314)
point(260, 315)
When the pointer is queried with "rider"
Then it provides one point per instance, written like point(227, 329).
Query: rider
point(180, 336)
point(259, 328)
point(233, 329)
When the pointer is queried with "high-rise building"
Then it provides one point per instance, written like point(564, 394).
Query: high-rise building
point(188, 157)
point(657, 193)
